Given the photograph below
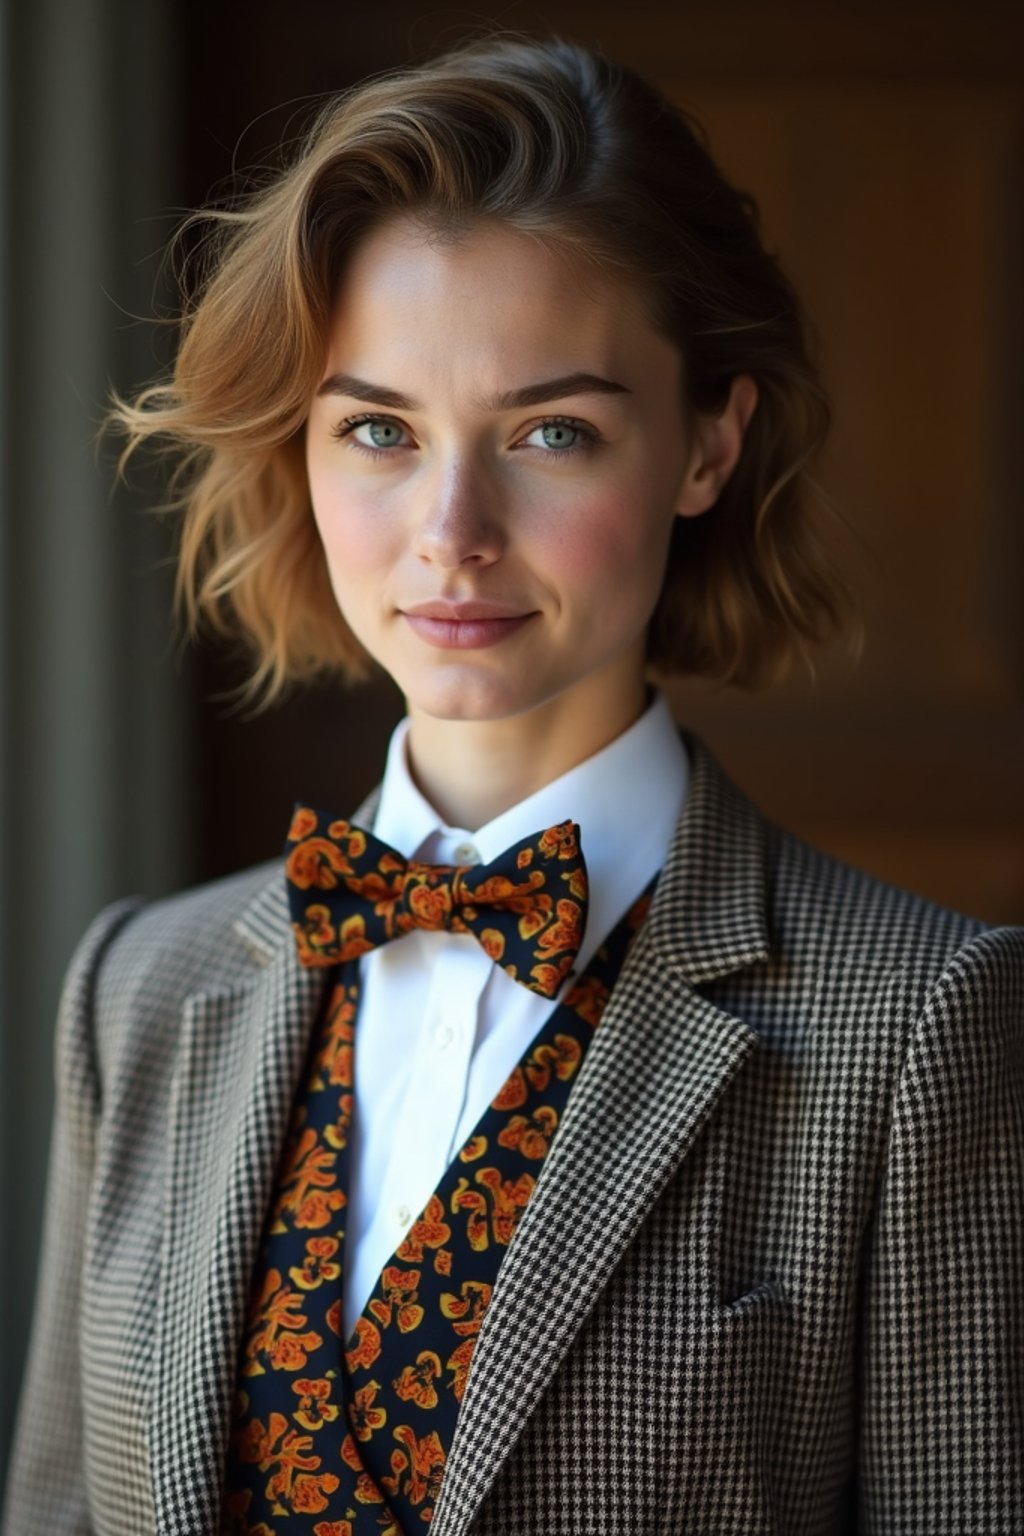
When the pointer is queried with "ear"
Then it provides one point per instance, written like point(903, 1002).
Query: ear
point(716, 449)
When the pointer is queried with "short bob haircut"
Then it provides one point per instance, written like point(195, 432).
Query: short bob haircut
point(556, 141)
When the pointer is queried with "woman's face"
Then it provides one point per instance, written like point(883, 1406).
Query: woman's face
point(495, 434)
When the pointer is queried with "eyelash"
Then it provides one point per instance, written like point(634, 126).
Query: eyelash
point(588, 435)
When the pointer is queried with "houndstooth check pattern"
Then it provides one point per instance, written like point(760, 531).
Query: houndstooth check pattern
point(771, 1278)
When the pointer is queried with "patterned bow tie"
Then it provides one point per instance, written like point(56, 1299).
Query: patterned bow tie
point(349, 892)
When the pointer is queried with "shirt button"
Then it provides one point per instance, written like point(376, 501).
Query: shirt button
point(467, 853)
point(403, 1215)
point(444, 1034)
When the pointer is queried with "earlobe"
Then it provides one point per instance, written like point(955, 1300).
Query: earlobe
point(717, 446)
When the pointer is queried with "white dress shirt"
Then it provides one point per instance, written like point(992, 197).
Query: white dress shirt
point(439, 1025)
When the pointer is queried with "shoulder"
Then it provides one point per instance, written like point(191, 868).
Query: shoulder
point(813, 918)
point(826, 909)
point(857, 938)
point(824, 951)
point(191, 933)
point(141, 958)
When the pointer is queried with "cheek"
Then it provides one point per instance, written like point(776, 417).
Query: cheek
point(609, 535)
point(355, 535)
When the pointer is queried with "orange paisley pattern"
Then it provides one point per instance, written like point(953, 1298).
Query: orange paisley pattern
point(350, 892)
point(351, 1435)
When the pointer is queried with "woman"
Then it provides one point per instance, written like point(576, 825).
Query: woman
point(553, 1144)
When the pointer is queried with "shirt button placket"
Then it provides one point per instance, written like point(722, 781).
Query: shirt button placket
point(423, 1143)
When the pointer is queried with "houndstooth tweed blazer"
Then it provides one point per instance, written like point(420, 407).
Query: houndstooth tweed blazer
point(771, 1278)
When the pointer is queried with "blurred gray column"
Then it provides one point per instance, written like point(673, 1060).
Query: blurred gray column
point(95, 762)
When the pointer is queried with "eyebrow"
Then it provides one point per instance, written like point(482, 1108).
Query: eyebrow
point(508, 400)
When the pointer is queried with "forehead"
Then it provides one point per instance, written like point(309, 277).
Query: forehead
point(492, 297)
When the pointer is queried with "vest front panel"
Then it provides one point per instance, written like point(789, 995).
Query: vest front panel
point(352, 1436)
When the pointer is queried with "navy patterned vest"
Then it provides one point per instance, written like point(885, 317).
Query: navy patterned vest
point(349, 1437)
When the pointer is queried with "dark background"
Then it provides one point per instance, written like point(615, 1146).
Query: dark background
point(885, 145)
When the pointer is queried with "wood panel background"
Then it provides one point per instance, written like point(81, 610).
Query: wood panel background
point(893, 204)
point(885, 147)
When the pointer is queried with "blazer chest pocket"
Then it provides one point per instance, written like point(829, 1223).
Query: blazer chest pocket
point(748, 1351)
point(767, 1295)
point(752, 1337)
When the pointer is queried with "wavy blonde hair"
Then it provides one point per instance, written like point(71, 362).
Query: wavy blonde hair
point(583, 153)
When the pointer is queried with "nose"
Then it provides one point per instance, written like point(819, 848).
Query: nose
point(461, 519)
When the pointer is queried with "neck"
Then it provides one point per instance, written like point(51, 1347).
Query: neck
point(473, 770)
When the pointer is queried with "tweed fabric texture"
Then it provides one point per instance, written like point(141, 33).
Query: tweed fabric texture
point(770, 1280)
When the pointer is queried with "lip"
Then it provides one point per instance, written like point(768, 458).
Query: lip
point(472, 626)
point(458, 613)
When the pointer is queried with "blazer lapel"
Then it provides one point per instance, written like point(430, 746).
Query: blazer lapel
point(660, 1060)
point(242, 1051)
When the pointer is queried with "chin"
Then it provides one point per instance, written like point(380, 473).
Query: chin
point(465, 697)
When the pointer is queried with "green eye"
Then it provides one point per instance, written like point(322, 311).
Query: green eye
point(383, 434)
point(557, 435)
point(562, 436)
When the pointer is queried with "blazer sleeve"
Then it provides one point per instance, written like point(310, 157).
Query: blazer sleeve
point(942, 1385)
point(46, 1488)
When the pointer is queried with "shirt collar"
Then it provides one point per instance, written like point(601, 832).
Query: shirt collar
point(626, 798)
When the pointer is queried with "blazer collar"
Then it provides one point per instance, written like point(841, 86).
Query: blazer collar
point(709, 912)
